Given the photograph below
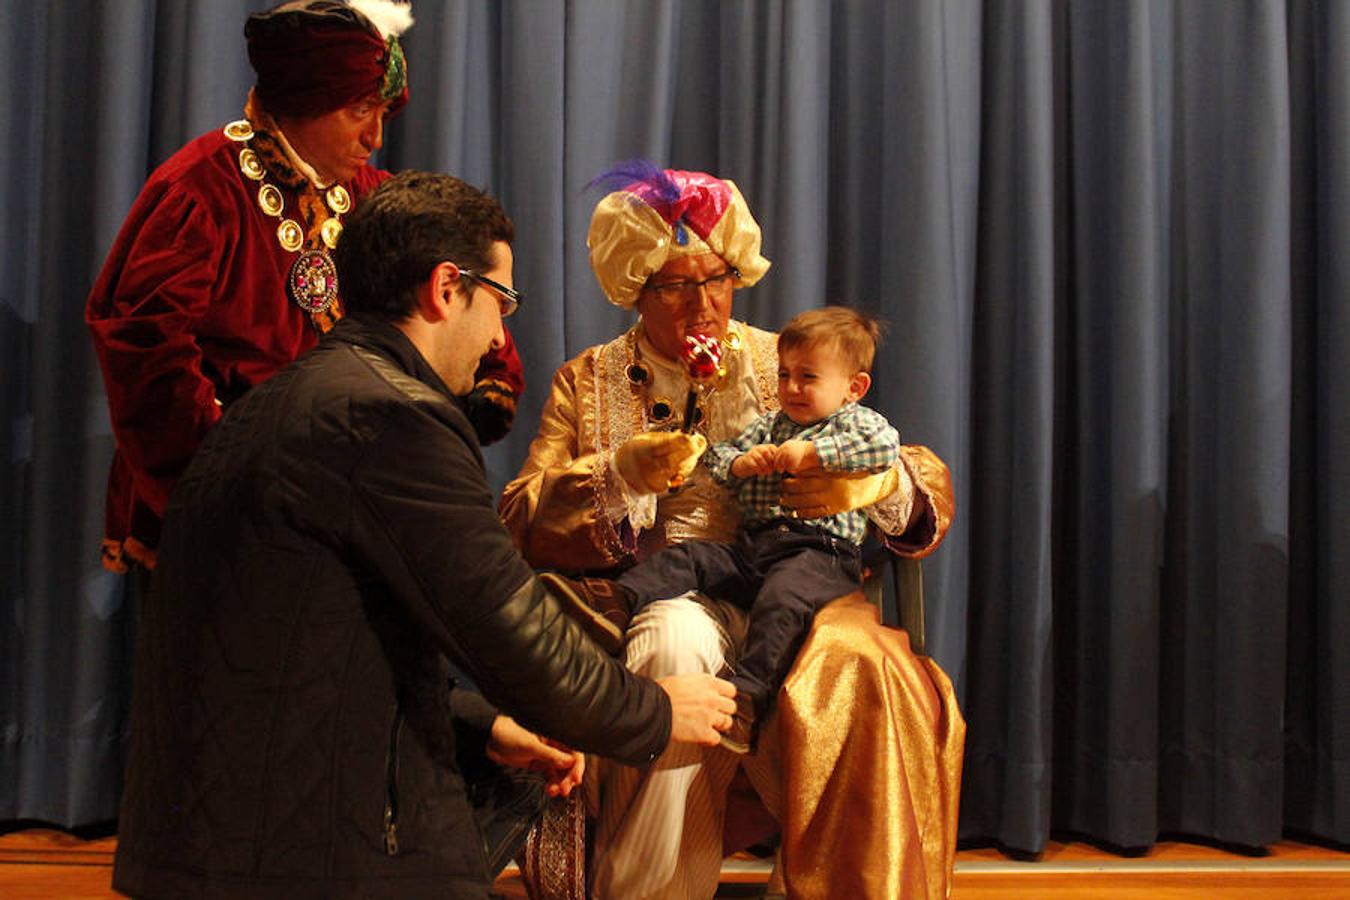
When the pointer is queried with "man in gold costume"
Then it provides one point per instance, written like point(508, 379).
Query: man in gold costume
point(861, 762)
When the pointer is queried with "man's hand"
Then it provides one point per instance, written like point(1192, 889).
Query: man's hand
point(511, 745)
point(701, 707)
point(796, 456)
point(817, 493)
point(758, 460)
point(651, 461)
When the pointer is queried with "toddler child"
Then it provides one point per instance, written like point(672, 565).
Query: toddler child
point(782, 568)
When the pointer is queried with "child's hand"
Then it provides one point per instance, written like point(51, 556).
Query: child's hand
point(758, 460)
point(796, 456)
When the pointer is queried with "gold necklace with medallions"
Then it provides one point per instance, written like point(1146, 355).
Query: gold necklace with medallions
point(659, 411)
point(312, 282)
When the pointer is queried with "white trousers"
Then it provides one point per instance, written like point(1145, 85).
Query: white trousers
point(659, 829)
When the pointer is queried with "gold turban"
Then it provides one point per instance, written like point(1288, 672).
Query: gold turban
point(660, 214)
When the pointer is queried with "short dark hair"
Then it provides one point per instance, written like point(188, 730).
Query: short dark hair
point(852, 335)
point(403, 229)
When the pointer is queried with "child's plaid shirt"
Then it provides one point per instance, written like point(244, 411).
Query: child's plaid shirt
point(852, 439)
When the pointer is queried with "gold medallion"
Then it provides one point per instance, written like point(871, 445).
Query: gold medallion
point(732, 341)
point(660, 410)
point(638, 374)
point(239, 130)
point(339, 201)
point(313, 281)
point(330, 231)
point(250, 165)
point(270, 200)
point(290, 235)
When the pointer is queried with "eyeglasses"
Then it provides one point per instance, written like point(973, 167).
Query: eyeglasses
point(675, 294)
point(509, 299)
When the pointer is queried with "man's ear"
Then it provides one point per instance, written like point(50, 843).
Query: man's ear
point(439, 290)
point(859, 385)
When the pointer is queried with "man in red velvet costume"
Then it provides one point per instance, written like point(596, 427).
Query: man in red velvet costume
point(222, 273)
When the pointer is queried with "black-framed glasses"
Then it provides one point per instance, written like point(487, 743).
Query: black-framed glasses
point(680, 293)
point(509, 299)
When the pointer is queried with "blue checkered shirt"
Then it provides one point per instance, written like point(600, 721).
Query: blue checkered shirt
point(852, 439)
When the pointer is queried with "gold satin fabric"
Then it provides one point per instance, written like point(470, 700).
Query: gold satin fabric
point(629, 241)
point(553, 507)
point(550, 507)
point(933, 480)
point(872, 736)
point(859, 703)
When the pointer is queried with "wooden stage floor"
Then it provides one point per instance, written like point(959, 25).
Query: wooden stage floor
point(52, 865)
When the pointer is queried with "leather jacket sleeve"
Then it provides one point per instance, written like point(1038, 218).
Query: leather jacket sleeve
point(543, 633)
point(423, 523)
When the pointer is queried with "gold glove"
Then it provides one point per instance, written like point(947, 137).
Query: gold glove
point(816, 493)
point(654, 460)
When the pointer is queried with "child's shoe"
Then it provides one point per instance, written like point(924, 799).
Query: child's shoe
point(741, 736)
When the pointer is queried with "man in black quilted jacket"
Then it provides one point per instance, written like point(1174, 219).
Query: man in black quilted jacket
point(333, 556)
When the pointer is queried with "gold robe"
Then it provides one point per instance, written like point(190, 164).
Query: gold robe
point(872, 737)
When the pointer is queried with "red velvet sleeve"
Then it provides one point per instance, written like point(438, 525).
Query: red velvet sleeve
point(154, 288)
point(498, 384)
point(503, 366)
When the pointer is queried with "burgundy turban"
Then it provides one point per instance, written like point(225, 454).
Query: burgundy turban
point(315, 56)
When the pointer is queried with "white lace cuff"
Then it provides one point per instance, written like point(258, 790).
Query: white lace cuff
point(891, 514)
point(620, 501)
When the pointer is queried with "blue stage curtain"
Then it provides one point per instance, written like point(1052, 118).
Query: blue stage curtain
point(1109, 239)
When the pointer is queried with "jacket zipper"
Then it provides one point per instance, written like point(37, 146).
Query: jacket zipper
point(391, 788)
